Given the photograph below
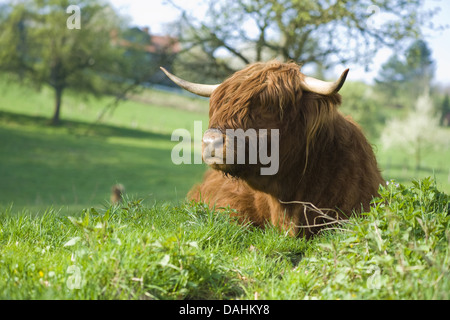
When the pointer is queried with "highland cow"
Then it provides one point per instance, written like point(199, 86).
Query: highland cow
point(327, 168)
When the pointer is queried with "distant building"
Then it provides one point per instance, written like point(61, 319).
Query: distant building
point(158, 51)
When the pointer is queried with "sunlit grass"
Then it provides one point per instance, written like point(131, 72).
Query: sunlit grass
point(74, 165)
point(400, 250)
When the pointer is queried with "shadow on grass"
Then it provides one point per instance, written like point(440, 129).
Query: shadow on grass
point(79, 128)
point(43, 166)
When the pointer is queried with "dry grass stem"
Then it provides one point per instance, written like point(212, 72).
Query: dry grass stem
point(320, 212)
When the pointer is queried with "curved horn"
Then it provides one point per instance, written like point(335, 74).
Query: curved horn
point(204, 90)
point(323, 87)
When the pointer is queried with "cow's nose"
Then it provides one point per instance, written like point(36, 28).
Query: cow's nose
point(212, 147)
point(213, 138)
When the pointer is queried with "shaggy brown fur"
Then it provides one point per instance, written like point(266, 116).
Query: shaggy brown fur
point(325, 160)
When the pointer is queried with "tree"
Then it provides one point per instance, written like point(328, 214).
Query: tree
point(364, 107)
point(409, 75)
point(445, 112)
point(420, 63)
point(417, 132)
point(38, 44)
point(142, 58)
point(145, 53)
point(323, 33)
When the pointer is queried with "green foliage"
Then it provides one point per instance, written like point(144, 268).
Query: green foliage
point(398, 250)
point(310, 32)
point(38, 46)
point(360, 102)
point(418, 132)
point(131, 252)
point(62, 56)
point(410, 72)
point(445, 111)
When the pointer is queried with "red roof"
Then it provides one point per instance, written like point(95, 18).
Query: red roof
point(164, 44)
point(158, 44)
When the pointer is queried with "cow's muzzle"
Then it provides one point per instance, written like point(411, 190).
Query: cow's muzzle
point(212, 147)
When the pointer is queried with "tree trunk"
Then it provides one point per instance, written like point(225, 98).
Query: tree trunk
point(58, 96)
point(418, 155)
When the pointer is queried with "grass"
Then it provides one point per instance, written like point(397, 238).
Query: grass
point(399, 250)
point(42, 166)
point(401, 166)
point(74, 165)
point(158, 118)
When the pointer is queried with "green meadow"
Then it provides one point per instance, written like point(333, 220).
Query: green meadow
point(60, 238)
point(74, 165)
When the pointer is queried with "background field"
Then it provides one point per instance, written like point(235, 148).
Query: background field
point(73, 166)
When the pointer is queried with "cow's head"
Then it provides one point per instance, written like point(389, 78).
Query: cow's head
point(261, 100)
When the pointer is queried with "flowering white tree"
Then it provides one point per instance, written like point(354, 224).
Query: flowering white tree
point(418, 131)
